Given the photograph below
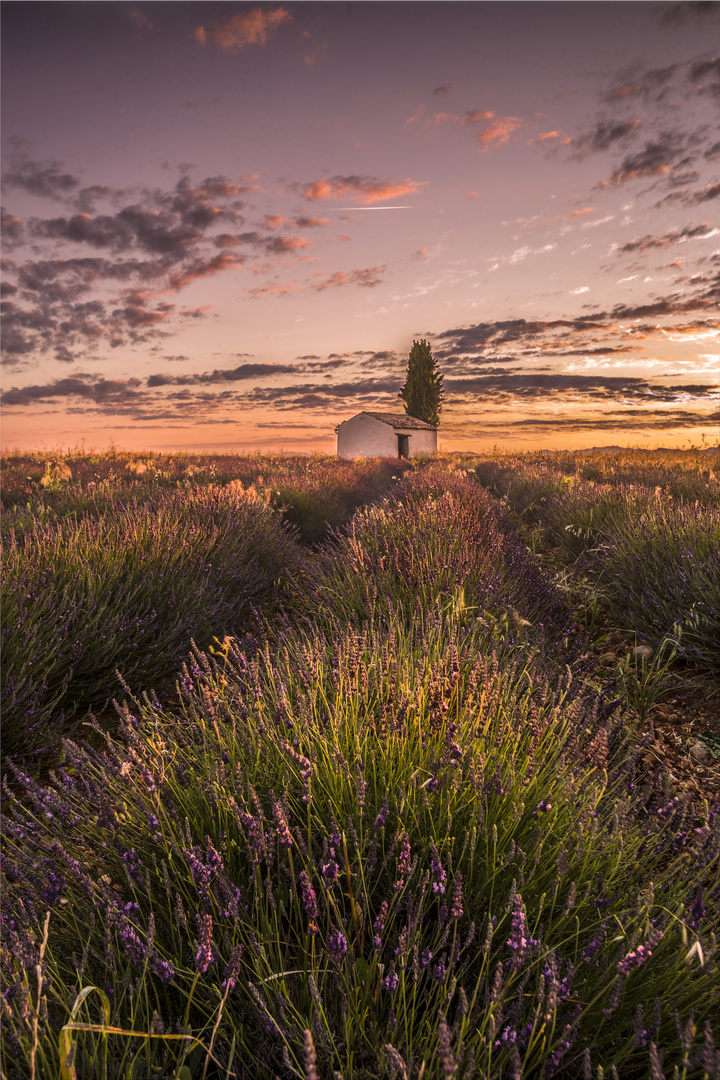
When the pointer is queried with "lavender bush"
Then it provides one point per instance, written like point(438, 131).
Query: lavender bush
point(439, 545)
point(429, 861)
point(128, 589)
point(653, 557)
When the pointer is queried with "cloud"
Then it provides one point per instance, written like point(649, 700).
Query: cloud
point(244, 28)
point(367, 277)
point(364, 189)
point(444, 88)
point(98, 390)
point(656, 158)
point(496, 130)
point(705, 194)
point(153, 247)
point(699, 71)
point(201, 269)
point(585, 210)
point(304, 222)
point(274, 221)
point(44, 181)
point(688, 9)
point(652, 83)
point(524, 385)
point(11, 227)
point(140, 19)
point(238, 374)
point(601, 137)
point(677, 236)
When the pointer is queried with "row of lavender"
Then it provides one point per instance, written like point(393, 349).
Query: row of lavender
point(646, 537)
point(404, 839)
point(115, 563)
point(310, 493)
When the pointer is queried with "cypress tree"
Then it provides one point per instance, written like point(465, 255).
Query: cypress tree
point(423, 390)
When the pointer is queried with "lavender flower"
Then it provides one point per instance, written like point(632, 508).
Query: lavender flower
point(456, 908)
point(520, 940)
point(391, 979)
point(205, 953)
point(449, 1068)
point(396, 1063)
point(438, 873)
point(403, 870)
point(656, 1072)
point(310, 901)
point(283, 829)
point(638, 956)
point(337, 944)
point(330, 872)
point(233, 968)
point(379, 925)
point(311, 1072)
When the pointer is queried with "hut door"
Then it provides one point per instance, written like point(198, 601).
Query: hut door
point(403, 446)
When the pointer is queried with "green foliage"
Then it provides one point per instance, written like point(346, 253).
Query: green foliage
point(422, 391)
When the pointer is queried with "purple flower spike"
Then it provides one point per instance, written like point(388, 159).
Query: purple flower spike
point(438, 873)
point(449, 1068)
point(310, 901)
point(205, 953)
point(520, 940)
point(391, 979)
point(638, 956)
point(457, 910)
point(403, 871)
point(283, 829)
point(337, 945)
point(379, 925)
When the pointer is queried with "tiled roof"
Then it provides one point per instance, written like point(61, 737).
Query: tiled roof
point(400, 420)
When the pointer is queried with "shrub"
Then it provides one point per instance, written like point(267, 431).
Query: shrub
point(127, 590)
point(386, 849)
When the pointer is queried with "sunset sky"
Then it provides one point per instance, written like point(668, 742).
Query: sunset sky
point(224, 224)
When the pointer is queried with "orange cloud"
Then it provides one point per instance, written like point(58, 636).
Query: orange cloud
point(545, 135)
point(368, 277)
point(585, 210)
point(497, 130)
point(278, 290)
point(244, 28)
point(290, 243)
point(364, 189)
point(274, 221)
point(215, 265)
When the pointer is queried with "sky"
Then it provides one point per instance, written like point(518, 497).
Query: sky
point(224, 224)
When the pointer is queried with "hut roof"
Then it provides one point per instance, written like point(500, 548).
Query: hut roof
point(399, 421)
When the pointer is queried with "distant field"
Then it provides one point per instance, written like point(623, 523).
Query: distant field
point(366, 769)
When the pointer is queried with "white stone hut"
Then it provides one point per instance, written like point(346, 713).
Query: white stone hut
point(380, 434)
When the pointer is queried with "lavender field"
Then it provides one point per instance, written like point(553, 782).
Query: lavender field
point(324, 769)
